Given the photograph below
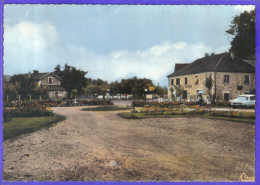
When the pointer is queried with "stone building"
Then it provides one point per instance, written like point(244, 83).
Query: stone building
point(226, 71)
point(52, 81)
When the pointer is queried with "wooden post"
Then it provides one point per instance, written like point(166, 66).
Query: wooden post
point(7, 98)
point(30, 97)
point(19, 97)
point(40, 98)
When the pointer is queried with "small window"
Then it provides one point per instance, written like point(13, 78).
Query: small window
point(50, 80)
point(226, 96)
point(226, 79)
point(184, 94)
point(177, 81)
point(186, 80)
point(171, 81)
point(246, 79)
point(196, 80)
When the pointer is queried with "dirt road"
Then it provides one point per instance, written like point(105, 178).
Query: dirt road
point(100, 146)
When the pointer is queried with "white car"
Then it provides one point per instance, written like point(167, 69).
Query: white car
point(246, 100)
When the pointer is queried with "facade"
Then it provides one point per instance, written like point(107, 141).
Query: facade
point(226, 71)
point(52, 81)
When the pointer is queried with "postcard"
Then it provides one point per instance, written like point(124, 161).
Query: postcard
point(114, 92)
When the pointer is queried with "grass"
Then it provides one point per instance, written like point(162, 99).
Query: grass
point(129, 115)
point(106, 108)
point(19, 126)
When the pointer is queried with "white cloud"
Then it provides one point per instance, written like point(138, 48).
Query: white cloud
point(155, 62)
point(29, 46)
point(242, 8)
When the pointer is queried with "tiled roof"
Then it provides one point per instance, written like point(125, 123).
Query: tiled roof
point(179, 66)
point(38, 76)
point(220, 63)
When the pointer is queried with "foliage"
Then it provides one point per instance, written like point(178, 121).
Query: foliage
point(106, 108)
point(10, 90)
point(72, 78)
point(243, 29)
point(239, 88)
point(26, 109)
point(209, 83)
point(25, 85)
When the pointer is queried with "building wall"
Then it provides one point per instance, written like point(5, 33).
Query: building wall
point(61, 94)
point(235, 79)
point(44, 81)
point(192, 87)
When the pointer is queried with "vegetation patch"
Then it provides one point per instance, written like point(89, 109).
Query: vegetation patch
point(18, 126)
point(140, 115)
point(106, 108)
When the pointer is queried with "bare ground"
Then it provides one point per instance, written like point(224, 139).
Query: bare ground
point(100, 146)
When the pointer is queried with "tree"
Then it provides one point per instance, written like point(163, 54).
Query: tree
point(10, 90)
point(243, 29)
point(209, 84)
point(94, 89)
point(26, 84)
point(72, 78)
point(239, 88)
point(178, 90)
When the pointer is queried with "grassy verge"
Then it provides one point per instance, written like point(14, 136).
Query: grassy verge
point(106, 108)
point(129, 115)
point(19, 126)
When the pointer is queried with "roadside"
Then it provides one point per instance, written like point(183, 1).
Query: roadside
point(100, 146)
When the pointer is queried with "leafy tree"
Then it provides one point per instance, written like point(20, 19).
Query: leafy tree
point(178, 89)
point(94, 89)
point(10, 90)
point(239, 88)
point(243, 29)
point(72, 78)
point(41, 92)
point(26, 84)
point(209, 84)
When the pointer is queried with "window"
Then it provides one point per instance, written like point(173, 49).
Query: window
point(186, 80)
point(226, 96)
point(196, 80)
point(177, 81)
point(246, 79)
point(226, 79)
point(50, 80)
point(171, 81)
point(184, 94)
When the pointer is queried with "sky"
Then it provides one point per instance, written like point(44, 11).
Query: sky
point(113, 42)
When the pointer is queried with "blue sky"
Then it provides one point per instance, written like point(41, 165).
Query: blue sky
point(112, 42)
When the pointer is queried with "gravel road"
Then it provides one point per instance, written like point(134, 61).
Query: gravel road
point(100, 146)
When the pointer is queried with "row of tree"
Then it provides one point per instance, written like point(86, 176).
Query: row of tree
point(75, 82)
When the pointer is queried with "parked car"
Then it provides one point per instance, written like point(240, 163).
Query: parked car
point(246, 100)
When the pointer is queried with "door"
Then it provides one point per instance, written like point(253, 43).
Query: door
point(56, 94)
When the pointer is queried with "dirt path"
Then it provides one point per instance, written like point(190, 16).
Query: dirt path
point(100, 146)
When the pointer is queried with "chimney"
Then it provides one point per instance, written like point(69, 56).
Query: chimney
point(232, 55)
point(35, 71)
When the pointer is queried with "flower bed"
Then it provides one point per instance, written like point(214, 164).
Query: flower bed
point(26, 109)
point(233, 114)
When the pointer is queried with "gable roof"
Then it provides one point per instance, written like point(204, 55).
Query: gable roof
point(39, 76)
point(219, 63)
point(179, 66)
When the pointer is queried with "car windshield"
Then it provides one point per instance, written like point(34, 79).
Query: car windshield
point(242, 98)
